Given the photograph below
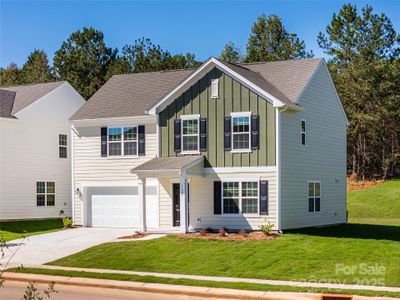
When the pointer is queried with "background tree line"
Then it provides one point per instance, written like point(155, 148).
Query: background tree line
point(364, 63)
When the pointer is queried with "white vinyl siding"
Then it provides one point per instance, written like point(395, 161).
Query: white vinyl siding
point(90, 166)
point(38, 126)
point(323, 158)
point(201, 199)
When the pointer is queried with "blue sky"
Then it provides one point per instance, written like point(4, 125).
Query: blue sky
point(201, 27)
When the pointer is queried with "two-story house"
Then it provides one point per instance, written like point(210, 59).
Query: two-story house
point(35, 165)
point(220, 145)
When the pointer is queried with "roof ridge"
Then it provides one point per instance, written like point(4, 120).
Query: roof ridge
point(29, 84)
point(280, 61)
point(153, 72)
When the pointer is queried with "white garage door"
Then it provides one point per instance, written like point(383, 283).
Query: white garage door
point(115, 211)
point(123, 210)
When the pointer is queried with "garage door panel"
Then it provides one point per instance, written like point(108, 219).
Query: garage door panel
point(115, 211)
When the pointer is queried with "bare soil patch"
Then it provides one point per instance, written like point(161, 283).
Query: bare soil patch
point(136, 235)
point(251, 236)
point(354, 185)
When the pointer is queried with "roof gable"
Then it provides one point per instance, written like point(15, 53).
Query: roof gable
point(27, 94)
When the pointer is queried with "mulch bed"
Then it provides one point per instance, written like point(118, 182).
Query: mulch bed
point(136, 235)
point(251, 236)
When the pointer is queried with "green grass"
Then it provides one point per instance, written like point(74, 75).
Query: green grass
point(300, 255)
point(377, 205)
point(16, 229)
point(189, 282)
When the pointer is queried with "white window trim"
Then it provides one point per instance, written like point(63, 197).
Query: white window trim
point(122, 142)
point(240, 213)
point(303, 132)
point(236, 115)
point(63, 146)
point(313, 197)
point(190, 117)
point(46, 193)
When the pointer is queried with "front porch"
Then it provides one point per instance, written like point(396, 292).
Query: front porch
point(178, 171)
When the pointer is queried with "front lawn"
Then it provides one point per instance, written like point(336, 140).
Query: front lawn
point(304, 255)
point(16, 229)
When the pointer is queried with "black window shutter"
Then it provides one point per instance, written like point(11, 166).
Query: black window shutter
point(263, 197)
point(103, 133)
point(227, 134)
point(217, 197)
point(255, 132)
point(177, 135)
point(142, 146)
point(203, 134)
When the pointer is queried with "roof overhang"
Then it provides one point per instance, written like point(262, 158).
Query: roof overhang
point(134, 120)
point(193, 167)
point(201, 71)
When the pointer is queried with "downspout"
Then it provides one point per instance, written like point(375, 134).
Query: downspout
point(72, 176)
point(278, 166)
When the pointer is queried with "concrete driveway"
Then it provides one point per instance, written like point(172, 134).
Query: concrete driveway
point(43, 248)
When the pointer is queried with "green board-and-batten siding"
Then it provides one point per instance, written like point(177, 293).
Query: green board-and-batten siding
point(233, 97)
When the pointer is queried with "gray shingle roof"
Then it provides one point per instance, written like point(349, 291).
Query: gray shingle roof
point(130, 94)
point(25, 95)
point(133, 94)
point(166, 163)
point(6, 103)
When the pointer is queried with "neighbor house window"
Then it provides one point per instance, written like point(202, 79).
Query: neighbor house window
point(240, 197)
point(241, 132)
point(122, 141)
point(303, 132)
point(62, 145)
point(45, 193)
point(190, 134)
point(314, 196)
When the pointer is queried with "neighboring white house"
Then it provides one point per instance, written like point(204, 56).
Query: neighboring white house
point(220, 145)
point(35, 156)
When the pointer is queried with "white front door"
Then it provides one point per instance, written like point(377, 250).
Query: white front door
point(115, 211)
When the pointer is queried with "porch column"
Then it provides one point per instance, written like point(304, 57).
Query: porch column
point(142, 204)
point(184, 204)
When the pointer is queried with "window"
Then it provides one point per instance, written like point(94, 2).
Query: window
point(62, 146)
point(122, 141)
point(303, 132)
point(214, 88)
point(45, 193)
point(240, 197)
point(241, 132)
point(314, 196)
point(190, 134)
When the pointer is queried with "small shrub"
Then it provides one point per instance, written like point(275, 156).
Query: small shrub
point(203, 232)
point(243, 232)
point(67, 222)
point(223, 231)
point(267, 228)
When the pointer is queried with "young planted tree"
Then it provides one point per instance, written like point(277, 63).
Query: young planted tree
point(36, 69)
point(83, 60)
point(270, 41)
point(365, 68)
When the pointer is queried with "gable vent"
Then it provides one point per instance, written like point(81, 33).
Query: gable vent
point(214, 88)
